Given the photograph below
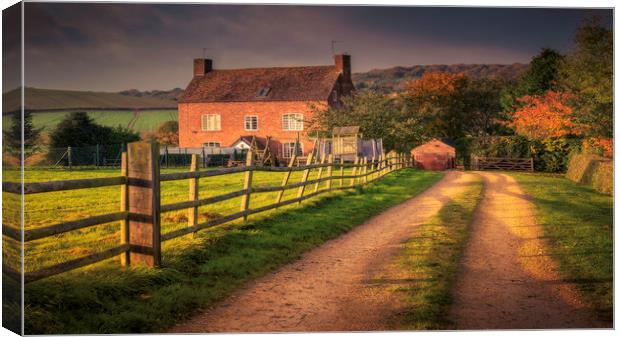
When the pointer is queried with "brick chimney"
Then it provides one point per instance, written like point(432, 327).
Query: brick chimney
point(202, 66)
point(343, 64)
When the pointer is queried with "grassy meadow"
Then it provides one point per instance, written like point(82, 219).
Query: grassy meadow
point(47, 209)
point(140, 121)
point(198, 270)
point(578, 228)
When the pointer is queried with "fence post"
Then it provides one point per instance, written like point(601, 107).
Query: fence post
point(125, 258)
point(330, 170)
point(247, 184)
point(144, 202)
point(380, 166)
point(365, 178)
point(531, 164)
point(372, 168)
point(322, 161)
point(287, 175)
point(354, 175)
point(203, 160)
point(69, 156)
point(304, 177)
point(341, 171)
point(192, 213)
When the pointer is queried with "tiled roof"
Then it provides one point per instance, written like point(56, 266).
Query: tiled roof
point(242, 85)
point(346, 130)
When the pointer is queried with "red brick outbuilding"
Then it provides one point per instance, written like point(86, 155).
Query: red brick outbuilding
point(435, 155)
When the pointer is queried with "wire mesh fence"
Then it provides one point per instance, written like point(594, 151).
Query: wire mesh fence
point(109, 156)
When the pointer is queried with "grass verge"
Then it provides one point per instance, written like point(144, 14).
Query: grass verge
point(578, 227)
point(431, 258)
point(108, 300)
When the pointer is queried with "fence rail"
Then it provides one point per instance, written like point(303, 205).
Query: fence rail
point(141, 206)
point(496, 163)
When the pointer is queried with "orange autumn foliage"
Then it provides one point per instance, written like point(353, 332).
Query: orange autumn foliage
point(545, 116)
point(604, 146)
point(435, 83)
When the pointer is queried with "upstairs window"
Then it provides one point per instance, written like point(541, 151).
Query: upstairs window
point(251, 123)
point(293, 122)
point(211, 123)
point(288, 149)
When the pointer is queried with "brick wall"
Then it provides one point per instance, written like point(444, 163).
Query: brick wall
point(232, 122)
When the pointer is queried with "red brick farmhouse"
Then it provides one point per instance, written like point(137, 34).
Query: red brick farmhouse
point(220, 106)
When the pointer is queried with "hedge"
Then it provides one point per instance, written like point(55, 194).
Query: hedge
point(550, 155)
point(592, 170)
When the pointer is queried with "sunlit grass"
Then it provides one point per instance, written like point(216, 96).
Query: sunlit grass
point(198, 270)
point(578, 228)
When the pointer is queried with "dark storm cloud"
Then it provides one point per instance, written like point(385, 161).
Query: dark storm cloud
point(150, 46)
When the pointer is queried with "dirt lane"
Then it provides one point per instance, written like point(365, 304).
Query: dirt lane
point(330, 288)
point(507, 279)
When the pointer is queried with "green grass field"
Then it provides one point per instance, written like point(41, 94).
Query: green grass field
point(36, 99)
point(147, 120)
point(578, 227)
point(50, 208)
point(197, 270)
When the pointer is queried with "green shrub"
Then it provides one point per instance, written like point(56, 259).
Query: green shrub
point(549, 155)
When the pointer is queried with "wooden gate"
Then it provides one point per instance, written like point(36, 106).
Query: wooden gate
point(507, 164)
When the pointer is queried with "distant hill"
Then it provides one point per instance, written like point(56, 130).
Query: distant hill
point(394, 79)
point(172, 94)
point(52, 99)
point(382, 80)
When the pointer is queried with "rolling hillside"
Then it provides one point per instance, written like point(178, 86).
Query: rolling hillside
point(172, 94)
point(394, 79)
point(387, 80)
point(52, 99)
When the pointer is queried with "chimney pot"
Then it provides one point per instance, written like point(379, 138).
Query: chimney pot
point(202, 66)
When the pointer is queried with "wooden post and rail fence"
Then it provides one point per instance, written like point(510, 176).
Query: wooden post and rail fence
point(140, 204)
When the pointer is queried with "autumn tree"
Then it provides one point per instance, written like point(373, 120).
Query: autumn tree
point(587, 74)
point(168, 133)
point(545, 116)
point(452, 105)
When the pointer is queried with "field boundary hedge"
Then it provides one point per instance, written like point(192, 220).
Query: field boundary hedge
point(592, 170)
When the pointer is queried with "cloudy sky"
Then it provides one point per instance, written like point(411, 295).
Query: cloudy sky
point(111, 47)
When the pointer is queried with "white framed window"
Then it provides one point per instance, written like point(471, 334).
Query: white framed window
point(293, 122)
point(288, 149)
point(212, 144)
point(251, 123)
point(211, 122)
